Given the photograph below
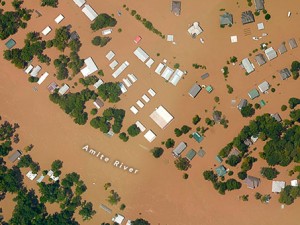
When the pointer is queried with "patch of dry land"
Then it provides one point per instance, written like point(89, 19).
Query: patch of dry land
point(154, 189)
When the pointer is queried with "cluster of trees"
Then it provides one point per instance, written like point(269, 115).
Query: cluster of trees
point(7, 131)
point(114, 198)
point(169, 143)
point(133, 130)
point(100, 41)
point(248, 110)
point(61, 67)
point(182, 163)
point(146, 23)
point(222, 187)
point(11, 21)
point(74, 104)
point(184, 130)
point(233, 160)
point(103, 123)
point(61, 38)
point(157, 152)
point(124, 137)
point(140, 222)
point(33, 47)
point(102, 21)
point(295, 68)
point(269, 173)
point(26, 161)
point(196, 119)
point(90, 80)
point(110, 91)
point(52, 3)
point(293, 102)
point(289, 194)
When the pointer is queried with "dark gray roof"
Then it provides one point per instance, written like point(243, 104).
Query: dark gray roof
point(234, 151)
point(248, 142)
point(226, 19)
point(15, 156)
point(242, 104)
point(247, 17)
point(252, 182)
point(282, 49)
point(74, 35)
point(217, 116)
point(176, 7)
point(259, 4)
point(99, 102)
point(284, 73)
point(293, 43)
point(260, 59)
point(194, 90)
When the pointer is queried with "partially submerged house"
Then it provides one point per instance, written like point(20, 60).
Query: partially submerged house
point(10, 43)
point(285, 73)
point(252, 182)
point(90, 67)
point(247, 65)
point(221, 171)
point(293, 43)
point(277, 186)
point(98, 103)
point(176, 7)
point(195, 30)
point(194, 90)
point(217, 116)
point(270, 53)
point(226, 19)
point(253, 94)
point(259, 5)
point(89, 12)
point(242, 104)
point(264, 87)
point(179, 149)
point(64, 89)
point(52, 87)
point(247, 17)
point(260, 59)
point(118, 219)
point(74, 36)
point(197, 137)
point(276, 116)
point(15, 156)
point(191, 154)
point(248, 142)
point(282, 49)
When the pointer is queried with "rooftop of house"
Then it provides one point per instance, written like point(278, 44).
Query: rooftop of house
point(226, 19)
point(176, 7)
point(247, 17)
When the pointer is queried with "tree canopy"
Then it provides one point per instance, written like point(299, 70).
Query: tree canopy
point(103, 20)
point(110, 91)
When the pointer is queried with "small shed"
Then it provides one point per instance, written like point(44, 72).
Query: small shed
point(219, 159)
point(176, 7)
point(118, 219)
point(204, 76)
point(137, 39)
point(276, 116)
point(52, 87)
point(221, 171)
point(10, 43)
point(191, 154)
point(15, 156)
point(209, 88)
point(201, 153)
point(217, 116)
point(259, 5)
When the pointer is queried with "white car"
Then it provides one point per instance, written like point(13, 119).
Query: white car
point(201, 40)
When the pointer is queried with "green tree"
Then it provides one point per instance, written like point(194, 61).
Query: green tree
point(123, 137)
point(269, 173)
point(140, 222)
point(61, 39)
point(56, 165)
point(110, 91)
point(169, 143)
point(133, 130)
point(103, 20)
point(196, 119)
point(233, 160)
point(242, 175)
point(267, 16)
point(293, 102)
point(177, 132)
point(210, 175)
point(248, 111)
point(52, 3)
point(232, 184)
point(113, 198)
point(185, 129)
point(25, 161)
point(182, 163)
point(157, 152)
point(87, 211)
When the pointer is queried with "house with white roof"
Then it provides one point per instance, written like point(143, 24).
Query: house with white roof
point(141, 54)
point(150, 136)
point(277, 186)
point(270, 53)
point(176, 77)
point(264, 86)
point(89, 12)
point(195, 30)
point(90, 67)
point(79, 3)
point(167, 73)
point(161, 117)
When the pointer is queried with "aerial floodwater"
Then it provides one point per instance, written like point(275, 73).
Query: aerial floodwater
point(162, 112)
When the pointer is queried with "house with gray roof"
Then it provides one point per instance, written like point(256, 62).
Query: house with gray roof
point(247, 17)
point(226, 19)
point(284, 73)
point(217, 116)
point(253, 94)
point(260, 59)
point(242, 104)
point(191, 154)
point(259, 5)
point(252, 182)
point(293, 43)
point(179, 149)
point(221, 171)
point(194, 90)
point(277, 117)
point(15, 156)
point(282, 49)
point(176, 7)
